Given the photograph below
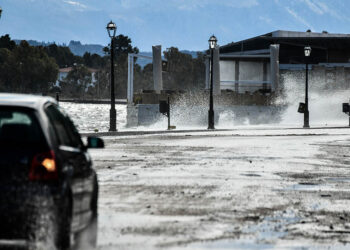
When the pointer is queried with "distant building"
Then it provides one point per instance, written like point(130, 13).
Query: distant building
point(256, 63)
point(63, 72)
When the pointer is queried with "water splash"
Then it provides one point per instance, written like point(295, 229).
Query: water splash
point(190, 110)
point(325, 100)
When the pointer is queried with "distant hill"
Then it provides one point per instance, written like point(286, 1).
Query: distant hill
point(80, 49)
point(35, 43)
point(76, 47)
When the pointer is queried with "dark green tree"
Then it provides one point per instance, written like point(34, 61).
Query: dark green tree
point(102, 85)
point(63, 56)
point(26, 69)
point(143, 78)
point(9, 71)
point(183, 72)
point(180, 70)
point(77, 82)
point(123, 46)
point(94, 60)
point(6, 42)
point(199, 71)
point(37, 70)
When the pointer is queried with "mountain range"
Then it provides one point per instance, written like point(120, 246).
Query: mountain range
point(80, 49)
point(76, 47)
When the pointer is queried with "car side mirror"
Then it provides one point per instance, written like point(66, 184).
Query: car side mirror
point(95, 142)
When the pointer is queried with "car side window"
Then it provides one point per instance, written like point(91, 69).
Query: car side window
point(74, 133)
point(63, 128)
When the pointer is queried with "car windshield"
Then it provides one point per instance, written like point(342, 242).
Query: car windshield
point(19, 128)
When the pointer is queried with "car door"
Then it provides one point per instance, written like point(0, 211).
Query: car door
point(88, 174)
point(72, 158)
point(89, 178)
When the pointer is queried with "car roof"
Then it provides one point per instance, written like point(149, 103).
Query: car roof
point(24, 100)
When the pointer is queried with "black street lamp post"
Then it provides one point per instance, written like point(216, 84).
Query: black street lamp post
point(307, 52)
point(112, 28)
point(212, 45)
point(0, 11)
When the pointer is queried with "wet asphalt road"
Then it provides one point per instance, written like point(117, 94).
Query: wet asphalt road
point(227, 189)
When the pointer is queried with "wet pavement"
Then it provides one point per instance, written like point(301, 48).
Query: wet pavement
point(239, 189)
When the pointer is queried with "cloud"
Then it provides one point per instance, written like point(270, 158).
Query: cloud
point(322, 8)
point(187, 5)
point(195, 4)
point(128, 18)
point(315, 7)
point(265, 19)
point(81, 6)
point(132, 4)
point(297, 17)
point(241, 4)
point(77, 4)
point(328, 10)
point(226, 30)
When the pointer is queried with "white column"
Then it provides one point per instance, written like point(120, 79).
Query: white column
point(275, 66)
point(216, 71)
point(130, 79)
point(157, 68)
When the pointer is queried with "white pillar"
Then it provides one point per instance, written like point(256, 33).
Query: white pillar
point(275, 66)
point(130, 93)
point(157, 68)
point(216, 71)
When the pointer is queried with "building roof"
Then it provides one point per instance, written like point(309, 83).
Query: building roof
point(322, 40)
point(92, 70)
point(65, 70)
point(69, 69)
point(294, 34)
point(23, 100)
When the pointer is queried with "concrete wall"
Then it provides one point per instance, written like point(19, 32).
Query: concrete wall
point(142, 114)
point(244, 76)
point(227, 70)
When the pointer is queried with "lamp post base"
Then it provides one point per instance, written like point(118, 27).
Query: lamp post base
point(211, 119)
point(112, 120)
point(306, 120)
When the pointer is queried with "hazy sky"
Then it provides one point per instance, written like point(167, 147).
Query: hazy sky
point(186, 24)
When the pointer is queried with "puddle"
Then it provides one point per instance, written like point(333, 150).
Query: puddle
point(251, 175)
point(229, 244)
point(329, 185)
point(338, 179)
point(308, 187)
point(271, 229)
point(245, 244)
point(307, 183)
